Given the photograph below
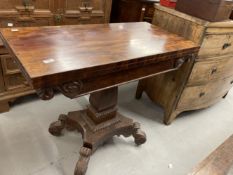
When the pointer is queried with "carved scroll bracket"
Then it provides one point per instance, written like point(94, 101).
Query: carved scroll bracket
point(71, 89)
point(45, 94)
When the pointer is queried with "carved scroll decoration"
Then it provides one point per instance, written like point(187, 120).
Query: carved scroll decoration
point(45, 94)
point(71, 89)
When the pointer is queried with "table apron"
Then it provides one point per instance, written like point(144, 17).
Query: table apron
point(82, 87)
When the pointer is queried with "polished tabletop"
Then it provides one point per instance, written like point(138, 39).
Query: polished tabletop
point(67, 51)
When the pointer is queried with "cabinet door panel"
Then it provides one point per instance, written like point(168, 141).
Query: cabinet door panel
point(9, 65)
point(15, 81)
point(75, 4)
point(44, 4)
point(9, 4)
point(86, 11)
point(72, 4)
point(98, 5)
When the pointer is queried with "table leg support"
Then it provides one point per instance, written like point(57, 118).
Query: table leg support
point(97, 124)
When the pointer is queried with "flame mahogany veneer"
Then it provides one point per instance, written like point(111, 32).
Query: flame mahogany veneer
point(95, 59)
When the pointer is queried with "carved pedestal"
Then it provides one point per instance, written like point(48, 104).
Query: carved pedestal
point(98, 123)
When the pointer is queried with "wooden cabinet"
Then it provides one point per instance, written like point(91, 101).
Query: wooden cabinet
point(12, 82)
point(83, 11)
point(26, 13)
point(132, 10)
point(198, 84)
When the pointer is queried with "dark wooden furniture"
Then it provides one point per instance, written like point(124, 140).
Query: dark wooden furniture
point(218, 10)
point(53, 12)
point(95, 59)
point(40, 13)
point(220, 162)
point(132, 10)
point(231, 17)
point(198, 84)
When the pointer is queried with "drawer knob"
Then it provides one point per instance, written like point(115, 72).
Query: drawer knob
point(214, 70)
point(201, 94)
point(226, 45)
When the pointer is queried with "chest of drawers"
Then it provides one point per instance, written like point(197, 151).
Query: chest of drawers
point(198, 84)
point(26, 13)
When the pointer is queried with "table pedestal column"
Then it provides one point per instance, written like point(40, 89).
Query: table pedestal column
point(97, 124)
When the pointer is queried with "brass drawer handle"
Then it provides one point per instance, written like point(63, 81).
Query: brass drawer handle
point(201, 94)
point(226, 45)
point(214, 70)
point(58, 18)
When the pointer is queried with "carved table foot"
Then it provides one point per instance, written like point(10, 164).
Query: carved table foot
point(83, 161)
point(97, 124)
point(56, 127)
point(94, 135)
point(138, 134)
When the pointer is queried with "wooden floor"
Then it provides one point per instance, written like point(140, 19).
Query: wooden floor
point(220, 162)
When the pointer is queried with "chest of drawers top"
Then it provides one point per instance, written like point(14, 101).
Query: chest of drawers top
point(215, 38)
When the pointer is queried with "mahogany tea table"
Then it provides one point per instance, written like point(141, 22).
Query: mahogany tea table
point(95, 59)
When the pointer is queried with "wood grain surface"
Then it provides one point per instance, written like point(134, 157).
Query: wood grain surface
point(52, 55)
point(220, 162)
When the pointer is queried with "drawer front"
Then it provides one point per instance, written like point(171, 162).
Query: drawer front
point(205, 71)
point(31, 22)
point(196, 97)
point(216, 45)
point(7, 22)
point(92, 20)
point(24, 21)
point(9, 65)
point(43, 22)
point(15, 81)
point(83, 20)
